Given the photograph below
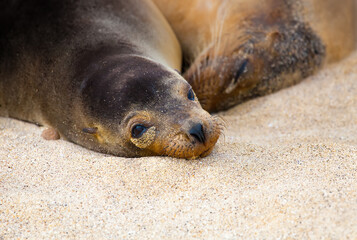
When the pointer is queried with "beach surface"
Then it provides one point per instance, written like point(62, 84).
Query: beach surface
point(286, 167)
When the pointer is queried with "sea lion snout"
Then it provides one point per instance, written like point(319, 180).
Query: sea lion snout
point(194, 136)
point(189, 135)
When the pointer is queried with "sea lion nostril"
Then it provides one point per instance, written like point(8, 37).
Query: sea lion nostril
point(197, 132)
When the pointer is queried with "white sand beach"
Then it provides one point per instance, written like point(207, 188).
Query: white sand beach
point(286, 168)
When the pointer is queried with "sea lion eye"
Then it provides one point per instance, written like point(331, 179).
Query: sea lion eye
point(242, 69)
point(191, 95)
point(138, 130)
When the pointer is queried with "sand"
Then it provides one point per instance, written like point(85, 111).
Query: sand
point(286, 168)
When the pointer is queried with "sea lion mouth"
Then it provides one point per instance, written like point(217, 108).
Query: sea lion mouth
point(206, 153)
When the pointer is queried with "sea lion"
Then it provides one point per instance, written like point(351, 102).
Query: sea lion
point(238, 49)
point(102, 74)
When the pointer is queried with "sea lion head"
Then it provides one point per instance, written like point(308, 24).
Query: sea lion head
point(133, 107)
point(253, 56)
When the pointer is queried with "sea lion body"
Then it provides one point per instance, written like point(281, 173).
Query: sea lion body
point(102, 74)
point(238, 49)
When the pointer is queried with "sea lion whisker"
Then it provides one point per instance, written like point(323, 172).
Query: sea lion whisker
point(175, 150)
point(164, 150)
point(172, 151)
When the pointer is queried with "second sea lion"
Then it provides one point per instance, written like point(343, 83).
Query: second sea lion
point(238, 49)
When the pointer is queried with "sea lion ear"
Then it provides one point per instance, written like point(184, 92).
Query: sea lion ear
point(90, 130)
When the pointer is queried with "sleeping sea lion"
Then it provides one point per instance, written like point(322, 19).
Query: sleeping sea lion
point(102, 74)
point(238, 49)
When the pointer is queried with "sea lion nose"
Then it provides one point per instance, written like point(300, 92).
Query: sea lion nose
point(197, 132)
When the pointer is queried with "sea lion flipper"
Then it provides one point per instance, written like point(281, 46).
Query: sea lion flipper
point(50, 134)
